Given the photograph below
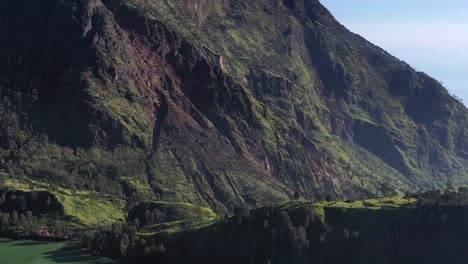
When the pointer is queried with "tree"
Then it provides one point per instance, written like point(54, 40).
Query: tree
point(157, 250)
point(148, 217)
point(117, 228)
point(301, 235)
point(242, 212)
point(124, 243)
point(289, 244)
point(22, 220)
point(387, 190)
point(136, 222)
point(449, 187)
point(4, 221)
point(14, 218)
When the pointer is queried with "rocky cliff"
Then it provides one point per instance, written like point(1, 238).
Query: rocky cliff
point(216, 103)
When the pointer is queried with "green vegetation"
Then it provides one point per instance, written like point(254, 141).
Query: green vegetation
point(146, 117)
point(218, 105)
point(303, 231)
point(132, 117)
point(92, 211)
point(156, 217)
point(138, 185)
point(172, 228)
point(372, 204)
point(319, 207)
point(185, 210)
point(175, 210)
point(89, 209)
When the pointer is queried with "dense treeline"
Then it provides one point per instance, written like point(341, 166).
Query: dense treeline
point(8, 221)
point(121, 240)
point(265, 235)
point(432, 230)
point(287, 239)
point(31, 226)
point(24, 214)
point(450, 196)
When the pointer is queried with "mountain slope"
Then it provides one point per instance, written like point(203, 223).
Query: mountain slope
point(216, 103)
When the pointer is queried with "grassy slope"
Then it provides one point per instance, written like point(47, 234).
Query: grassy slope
point(87, 208)
point(367, 204)
point(94, 209)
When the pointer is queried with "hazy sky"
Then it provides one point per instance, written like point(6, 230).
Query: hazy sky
point(430, 35)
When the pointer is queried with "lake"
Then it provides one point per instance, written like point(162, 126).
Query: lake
point(38, 252)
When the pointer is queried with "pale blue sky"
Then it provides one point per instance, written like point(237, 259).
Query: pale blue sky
point(430, 35)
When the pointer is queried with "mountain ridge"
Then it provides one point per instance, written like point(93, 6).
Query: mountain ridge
point(217, 103)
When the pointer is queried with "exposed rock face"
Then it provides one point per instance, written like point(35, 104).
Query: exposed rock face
point(229, 101)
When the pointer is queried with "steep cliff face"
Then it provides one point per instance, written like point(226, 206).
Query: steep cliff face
point(216, 103)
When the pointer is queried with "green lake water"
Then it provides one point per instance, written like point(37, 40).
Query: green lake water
point(36, 252)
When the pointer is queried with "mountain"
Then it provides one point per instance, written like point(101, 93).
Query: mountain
point(215, 103)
